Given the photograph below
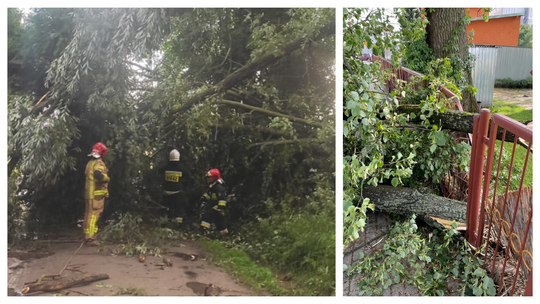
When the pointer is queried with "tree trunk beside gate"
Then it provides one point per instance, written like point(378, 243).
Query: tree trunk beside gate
point(445, 31)
point(419, 201)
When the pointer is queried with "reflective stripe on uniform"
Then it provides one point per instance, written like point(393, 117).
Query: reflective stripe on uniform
point(205, 224)
point(91, 179)
point(206, 196)
point(171, 192)
point(179, 220)
point(222, 203)
point(101, 192)
point(173, 176)
point(92, 228)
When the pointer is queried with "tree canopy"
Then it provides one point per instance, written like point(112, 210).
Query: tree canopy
point(249, 91)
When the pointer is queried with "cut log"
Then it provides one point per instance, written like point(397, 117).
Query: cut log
point(419, 201)
point(59, 285)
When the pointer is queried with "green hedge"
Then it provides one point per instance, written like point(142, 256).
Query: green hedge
point(515, 84)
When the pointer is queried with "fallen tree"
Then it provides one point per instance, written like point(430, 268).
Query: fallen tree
point(455, 121)
point(431, 208)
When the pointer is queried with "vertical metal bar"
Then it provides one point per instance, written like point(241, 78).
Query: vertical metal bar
point(487, 178)
point(472, 176)
point(478, 170)
point(504, 207)
point(494, 128)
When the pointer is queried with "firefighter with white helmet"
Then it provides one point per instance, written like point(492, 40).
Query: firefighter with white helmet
point(214, 203)
point(95, 191)
point(172, 188)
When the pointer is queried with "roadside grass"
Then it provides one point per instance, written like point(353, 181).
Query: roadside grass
point(239, 264)
point(513, 111)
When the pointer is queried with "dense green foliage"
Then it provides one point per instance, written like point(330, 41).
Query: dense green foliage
point(427, 260)
point(381, 146)
point(385, 146)
point(248, 91)
point(525, 36)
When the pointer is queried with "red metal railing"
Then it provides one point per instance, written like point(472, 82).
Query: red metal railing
point(506, 244)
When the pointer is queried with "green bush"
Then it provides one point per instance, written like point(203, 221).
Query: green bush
point(514, 84)
point(301, 245)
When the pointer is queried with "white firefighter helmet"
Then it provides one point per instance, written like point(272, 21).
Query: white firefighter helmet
point(174, 155)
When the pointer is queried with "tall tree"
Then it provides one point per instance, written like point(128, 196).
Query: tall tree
point(254, 97)
point(525, 35)
point(447, 37)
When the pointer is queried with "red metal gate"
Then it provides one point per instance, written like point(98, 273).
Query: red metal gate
point(499, 221)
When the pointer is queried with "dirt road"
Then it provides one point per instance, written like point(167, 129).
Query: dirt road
point(189, 275)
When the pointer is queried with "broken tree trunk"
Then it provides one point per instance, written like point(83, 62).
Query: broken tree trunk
point(419, 201)
point(454, 120)
point(55, 286)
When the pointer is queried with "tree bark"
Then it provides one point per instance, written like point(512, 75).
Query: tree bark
point(419, 201)
point(55, 286)
point(446, 31)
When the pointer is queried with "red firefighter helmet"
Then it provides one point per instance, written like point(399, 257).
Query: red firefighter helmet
point(213, 174)
point(99, 150)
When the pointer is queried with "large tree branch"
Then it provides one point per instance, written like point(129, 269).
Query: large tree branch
point(270, 113)
point(248, 128)
point(284, 142)
point(455, 121)
point(248, 70)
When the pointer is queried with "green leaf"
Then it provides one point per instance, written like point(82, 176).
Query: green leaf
point(355, 96)
point(345, 267)
point(441, 141)
point(432, 149)
point(395, 181)
point(478, 291)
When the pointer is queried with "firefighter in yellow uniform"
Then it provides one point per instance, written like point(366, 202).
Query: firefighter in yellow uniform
point(95, 192)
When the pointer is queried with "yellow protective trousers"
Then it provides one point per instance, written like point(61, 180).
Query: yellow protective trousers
point(95, 192)
point(94, 208)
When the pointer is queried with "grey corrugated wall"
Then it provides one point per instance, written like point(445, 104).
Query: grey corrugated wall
point(498, 63)
point(483, 73)
point(514, 63)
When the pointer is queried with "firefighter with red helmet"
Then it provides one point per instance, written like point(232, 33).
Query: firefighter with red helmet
point(214, 203)
point(95, 191)
point(172, 188)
